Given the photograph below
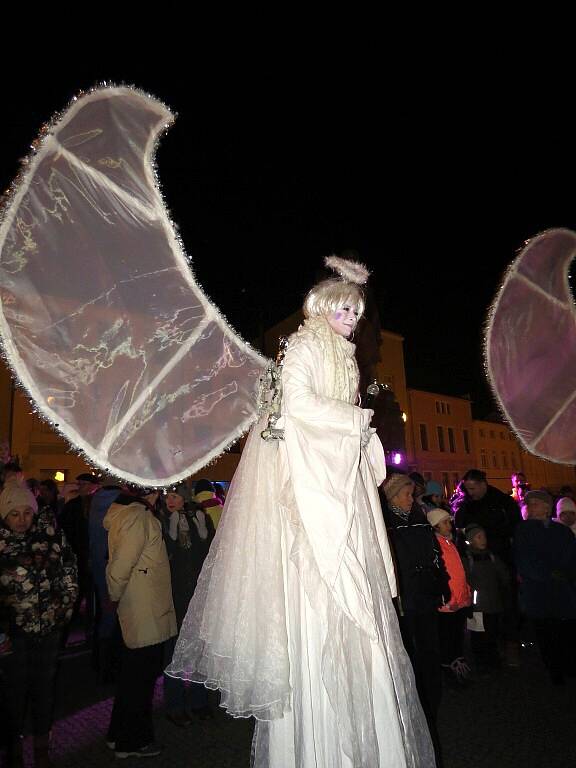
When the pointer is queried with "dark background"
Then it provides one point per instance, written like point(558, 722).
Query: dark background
point(434, 187)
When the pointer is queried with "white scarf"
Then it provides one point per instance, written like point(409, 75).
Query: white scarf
point(341, 370)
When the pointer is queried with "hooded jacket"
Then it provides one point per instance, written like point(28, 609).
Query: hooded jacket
point(138, 575)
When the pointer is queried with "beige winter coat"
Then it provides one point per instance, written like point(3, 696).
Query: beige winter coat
point(138, 575)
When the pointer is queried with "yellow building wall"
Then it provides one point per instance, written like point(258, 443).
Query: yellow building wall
point(40, 448)
point(443, 456)
point(499, 454)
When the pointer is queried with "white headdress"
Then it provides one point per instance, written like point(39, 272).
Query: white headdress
point(349, 271)
point(328, 295)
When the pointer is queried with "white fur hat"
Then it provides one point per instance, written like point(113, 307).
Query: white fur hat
point(565, 504)
point(437, 514)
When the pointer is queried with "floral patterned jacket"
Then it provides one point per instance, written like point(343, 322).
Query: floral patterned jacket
point(38, 578)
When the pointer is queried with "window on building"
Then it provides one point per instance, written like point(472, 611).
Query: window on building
point(451, 441)
point(504, 460)
point(446, 484)
point(424, 437)
point(441, 444)
point(442, 407)
point(481, 431)
point(437, 407)
point(492, 434)
point(502, 436)
point(448, 409)
point(466, 440)
point(483, 460)
point(495, 461)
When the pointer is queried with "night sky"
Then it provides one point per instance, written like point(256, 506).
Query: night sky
point(266, 175)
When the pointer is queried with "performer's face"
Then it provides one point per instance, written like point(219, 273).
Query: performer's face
point(344, 320)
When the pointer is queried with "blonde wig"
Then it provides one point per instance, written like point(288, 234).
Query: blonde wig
point(336, 292)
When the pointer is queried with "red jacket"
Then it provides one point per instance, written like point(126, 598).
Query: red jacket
point(461, 594)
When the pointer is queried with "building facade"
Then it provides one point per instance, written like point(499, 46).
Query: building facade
point(499, 454)
point(441, 436)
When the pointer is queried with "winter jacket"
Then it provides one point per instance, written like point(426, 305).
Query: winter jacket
point(38, 578)
point(545, 556)
point(98, 535)
point(489, 581)
point(460, 593)
point(186, 558)
point(420, 571)
point(138, 575)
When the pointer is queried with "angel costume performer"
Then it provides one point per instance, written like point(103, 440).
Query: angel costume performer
point(293, 617)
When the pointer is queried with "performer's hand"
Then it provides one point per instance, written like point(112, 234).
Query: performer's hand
point(366, 436)
point(367, 414)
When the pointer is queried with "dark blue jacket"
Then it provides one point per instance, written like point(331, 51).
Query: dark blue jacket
point(545, 555)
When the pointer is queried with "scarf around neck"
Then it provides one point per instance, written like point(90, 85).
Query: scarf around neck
point(341, 369)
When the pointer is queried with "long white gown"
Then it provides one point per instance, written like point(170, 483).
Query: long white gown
point(293, 617)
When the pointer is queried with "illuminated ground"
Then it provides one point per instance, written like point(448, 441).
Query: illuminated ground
point(510, 719)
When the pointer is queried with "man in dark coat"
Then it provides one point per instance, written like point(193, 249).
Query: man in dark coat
point(489, 508)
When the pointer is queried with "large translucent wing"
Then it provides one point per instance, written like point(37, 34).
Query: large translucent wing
point(531, 347)
point(101, 317)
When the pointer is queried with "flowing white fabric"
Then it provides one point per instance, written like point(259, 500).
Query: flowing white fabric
point(530, 343)
point(101, 318)
point(293, 616)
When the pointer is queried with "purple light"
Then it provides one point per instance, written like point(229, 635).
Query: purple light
point(397, 458)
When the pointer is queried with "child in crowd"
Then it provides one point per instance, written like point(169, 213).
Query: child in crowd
point(490, 583)
point(452, 615)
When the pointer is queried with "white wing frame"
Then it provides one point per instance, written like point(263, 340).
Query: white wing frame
point(530, 346)
point(102, 319)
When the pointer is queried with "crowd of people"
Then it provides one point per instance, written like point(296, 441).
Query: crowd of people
point(117, 565)
point(487, 565)
point(474, 573)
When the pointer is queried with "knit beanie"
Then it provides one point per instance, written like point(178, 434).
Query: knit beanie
point(16, 495)
point(433, 488)
point(471, 530)
point(435, 515)
point(565, 504)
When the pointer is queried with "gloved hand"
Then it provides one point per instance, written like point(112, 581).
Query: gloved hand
point(366, 436)
point(367, 431)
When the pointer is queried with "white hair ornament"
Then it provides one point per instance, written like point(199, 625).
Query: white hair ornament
point(349, 271)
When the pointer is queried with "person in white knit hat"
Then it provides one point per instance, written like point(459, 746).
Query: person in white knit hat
point(566, 513)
